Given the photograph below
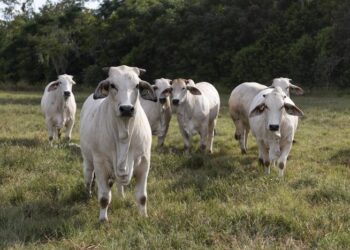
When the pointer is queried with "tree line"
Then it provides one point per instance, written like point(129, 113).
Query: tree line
point(225, 42)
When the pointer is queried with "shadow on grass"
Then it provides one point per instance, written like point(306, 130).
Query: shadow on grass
point(24, 142)
point(54, 218)
point(21, 101)
point(207, 175)
point(342, 157)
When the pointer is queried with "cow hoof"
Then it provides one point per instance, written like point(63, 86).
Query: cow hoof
point(243, 151)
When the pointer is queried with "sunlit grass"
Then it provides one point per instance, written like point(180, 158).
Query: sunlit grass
point(220, 201)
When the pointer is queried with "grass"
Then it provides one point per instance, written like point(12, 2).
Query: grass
point(196, 201)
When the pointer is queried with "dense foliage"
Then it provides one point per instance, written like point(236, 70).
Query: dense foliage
point(224, 41)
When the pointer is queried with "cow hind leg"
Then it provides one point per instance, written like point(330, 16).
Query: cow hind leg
point(211, 134)
point(240, 135)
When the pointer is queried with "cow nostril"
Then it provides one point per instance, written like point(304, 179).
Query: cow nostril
point(66, 93)
point(127, 110)
point(175, 101)
point(274, 127)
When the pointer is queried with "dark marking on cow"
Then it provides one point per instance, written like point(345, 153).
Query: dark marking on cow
point(104, 202)
point(59, 133)
point(281, 165)
point(267, 163)
point(243, 151)
point(110, 183)
point(237, 137)
point(50, 138)
point(261, 162)
point(143, 200)
point(203, 146)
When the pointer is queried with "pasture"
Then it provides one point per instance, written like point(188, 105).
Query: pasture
point(195, 201)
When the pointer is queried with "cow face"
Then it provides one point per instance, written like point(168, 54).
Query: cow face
point(123, 87)
point(273, 106)
point(287, 87)
point(162, 89)
point(64, 84)
point(180, 87)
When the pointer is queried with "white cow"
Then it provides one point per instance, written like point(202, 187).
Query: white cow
point(197, 110)
point(240, 100)
point(273, 119)
point(159, 113)
point(59, 107)
point(115, 136)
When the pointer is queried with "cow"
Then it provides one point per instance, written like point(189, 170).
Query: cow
point(273, 119)
point(197, 108)
point(115, 136)
point(241, 98)
point(159, 112)
point(58, 107)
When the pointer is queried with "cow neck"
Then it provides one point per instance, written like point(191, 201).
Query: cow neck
point(189, 105)
point(122, 131)
point(60, 103)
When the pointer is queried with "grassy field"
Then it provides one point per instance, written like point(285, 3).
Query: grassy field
point(196, 201)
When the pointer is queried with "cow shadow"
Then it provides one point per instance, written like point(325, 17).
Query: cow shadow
point(200, 173)
point(342, 157)
point(20, 101)
point(24, 142)
point(51, 218)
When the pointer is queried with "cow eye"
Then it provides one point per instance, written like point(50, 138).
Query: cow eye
point(137, 86)
point(183, 88)
point(113, 86)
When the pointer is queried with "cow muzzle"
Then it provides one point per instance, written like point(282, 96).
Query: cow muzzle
point(66, 94)
point(274, 127)
point(176, 102)
point(127, 110)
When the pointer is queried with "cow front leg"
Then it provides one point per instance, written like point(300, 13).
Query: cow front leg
point(68, 132)
point(264, 156)
point(88, 169)
point(211, 134)
point(141, 186)
point(104, 190)
point(282, 161)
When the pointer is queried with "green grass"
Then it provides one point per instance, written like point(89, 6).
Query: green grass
point(196, 201)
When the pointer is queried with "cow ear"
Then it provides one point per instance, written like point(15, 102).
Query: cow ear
point(293, 110)
point(102, 89)
point(193, 90)
point(53, 86)
point(166, 92)
point(296, 90)
point(258, 110)
point(146, 91)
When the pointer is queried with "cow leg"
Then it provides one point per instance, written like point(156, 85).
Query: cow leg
point(120, 190)
point(264, 156)
point(187, 139)
point(69, 128)
point(104, 189)
point(211, 135)
point(240, 135)
point(50, 130)
point(282, 161)
point(204, 136)
point(141, 186)
point(88, 168)
point(246, 132)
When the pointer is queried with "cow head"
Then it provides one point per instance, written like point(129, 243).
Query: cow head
point(162, 89)
point(123, 87)
point(286, 85)
point(273, 105)
point(63, 84)
point(180, 87)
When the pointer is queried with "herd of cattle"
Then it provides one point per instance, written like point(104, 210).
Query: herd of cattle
point(117, 122)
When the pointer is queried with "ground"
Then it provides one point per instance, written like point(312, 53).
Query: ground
point(196, 201)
